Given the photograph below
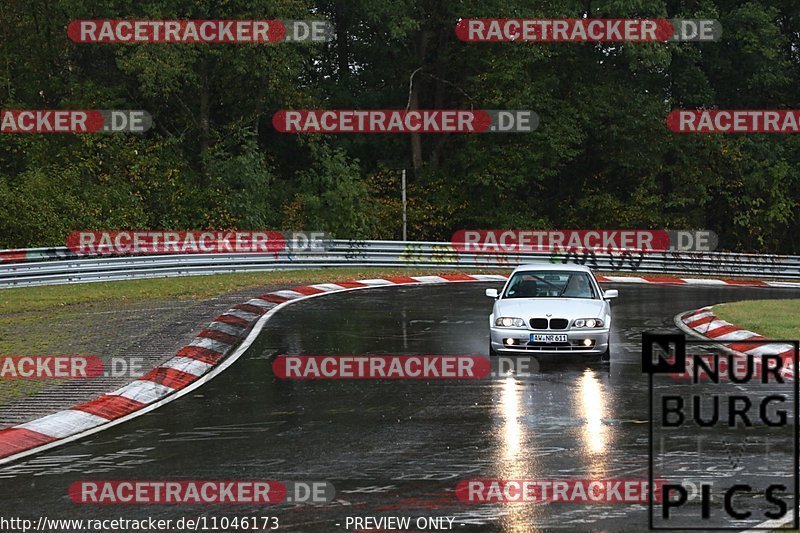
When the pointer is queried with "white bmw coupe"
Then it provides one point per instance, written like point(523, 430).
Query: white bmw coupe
point(551, 308)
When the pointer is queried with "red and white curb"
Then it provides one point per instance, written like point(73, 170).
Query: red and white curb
point(667, 280)
point(707, 325)
point(215, 348)
point(218, 346)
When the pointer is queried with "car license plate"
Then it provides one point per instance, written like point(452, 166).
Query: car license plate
point(540, 337)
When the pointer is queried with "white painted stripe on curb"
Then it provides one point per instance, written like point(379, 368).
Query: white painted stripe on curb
point(770, 524)
point(711, 326)
point(701, 281)
point(698, 316)
point(258, 302)
point(785, 284)
point(241, 313)
point(376, 282)
point(63, 423)
point(224, 327)
point(489, 277)
point(701, 310)
point(143, 391)
point(211, 344)
point(738, 335)
point(430, 279)
point(327, 287)
point(290, 294)
point(188, 365)
point(625, 279)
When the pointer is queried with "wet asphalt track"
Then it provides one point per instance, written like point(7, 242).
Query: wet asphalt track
point(399, 448)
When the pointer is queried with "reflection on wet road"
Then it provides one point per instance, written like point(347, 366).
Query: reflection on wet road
point(391, 447)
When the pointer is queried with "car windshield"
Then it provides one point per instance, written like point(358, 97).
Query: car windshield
point(550, 284)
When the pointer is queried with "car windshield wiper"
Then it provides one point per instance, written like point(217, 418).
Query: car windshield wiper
point(556, 287)
point(561, 293)
point(542, 279)
point(545, 281)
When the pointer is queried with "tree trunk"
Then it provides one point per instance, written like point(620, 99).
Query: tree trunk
point(342, 45)
point(205, 111)
point(416, 138)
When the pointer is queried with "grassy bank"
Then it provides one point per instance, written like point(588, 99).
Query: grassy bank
point(192, 287)
point(771, 318)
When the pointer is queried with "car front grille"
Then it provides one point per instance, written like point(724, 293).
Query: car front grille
point(539, 323)
point(554, 323)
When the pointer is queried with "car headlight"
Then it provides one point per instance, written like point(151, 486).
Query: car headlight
point(509, 322)
point(589, 323)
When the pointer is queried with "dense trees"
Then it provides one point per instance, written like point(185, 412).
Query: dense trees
point(601, 157)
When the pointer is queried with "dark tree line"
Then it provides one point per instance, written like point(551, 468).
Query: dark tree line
point(601, 157)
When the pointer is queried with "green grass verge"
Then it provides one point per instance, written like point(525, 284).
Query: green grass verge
point(48, 298)
point(775, 319)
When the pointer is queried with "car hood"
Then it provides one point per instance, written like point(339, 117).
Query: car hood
point(558, 308)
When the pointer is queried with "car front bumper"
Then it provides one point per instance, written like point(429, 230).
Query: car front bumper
point(575, 338)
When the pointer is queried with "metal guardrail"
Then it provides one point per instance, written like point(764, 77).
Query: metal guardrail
point(51, 266)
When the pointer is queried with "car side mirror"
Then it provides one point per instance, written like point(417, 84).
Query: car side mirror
point(492, 293)
point(610, 293)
